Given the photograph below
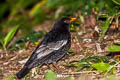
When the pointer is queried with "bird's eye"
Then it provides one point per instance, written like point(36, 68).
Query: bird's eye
point(66, 21)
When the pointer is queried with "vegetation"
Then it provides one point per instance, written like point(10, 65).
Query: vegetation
point(24, 23)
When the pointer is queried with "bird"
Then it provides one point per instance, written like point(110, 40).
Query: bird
point(52, 48)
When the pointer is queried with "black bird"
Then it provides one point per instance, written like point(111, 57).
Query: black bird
point(52, 48)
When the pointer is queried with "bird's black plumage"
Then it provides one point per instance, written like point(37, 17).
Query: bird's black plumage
point(52, 48)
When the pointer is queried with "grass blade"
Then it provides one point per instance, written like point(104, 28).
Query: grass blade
point(104, 27)
point(10, 36)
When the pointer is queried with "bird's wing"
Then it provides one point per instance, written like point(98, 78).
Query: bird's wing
point(44, 50)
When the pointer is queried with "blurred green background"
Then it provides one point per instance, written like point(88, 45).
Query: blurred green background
point(29, 13)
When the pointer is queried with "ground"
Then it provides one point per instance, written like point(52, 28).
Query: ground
point(85, 42)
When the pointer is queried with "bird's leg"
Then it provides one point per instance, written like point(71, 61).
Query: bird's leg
point(48, 66)
point(57, 68)
point(51, 67)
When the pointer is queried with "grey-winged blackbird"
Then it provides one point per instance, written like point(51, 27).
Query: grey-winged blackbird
point(52, 48)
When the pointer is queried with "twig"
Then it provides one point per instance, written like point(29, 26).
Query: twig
point(75, 73)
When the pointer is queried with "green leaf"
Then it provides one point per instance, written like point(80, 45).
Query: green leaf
point(103, 15)
point(10, 77)
point(72, 28)
point(50, 75)
point(104, 27)
point(70, 51)
point(10, 35)
point(101, 66)
point(113, 48)
point(79, 65)
point(112, 71)
point(116, 1)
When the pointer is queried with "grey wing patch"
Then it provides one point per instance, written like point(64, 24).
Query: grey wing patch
point(57, 45)
point(44, 50)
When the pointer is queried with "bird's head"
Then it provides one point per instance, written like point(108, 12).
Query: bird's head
point(64, 22)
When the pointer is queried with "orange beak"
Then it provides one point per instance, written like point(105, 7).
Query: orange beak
point(73, 19)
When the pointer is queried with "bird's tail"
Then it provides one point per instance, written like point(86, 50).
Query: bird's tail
point(24, 71)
